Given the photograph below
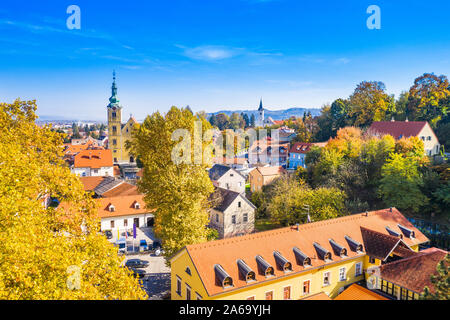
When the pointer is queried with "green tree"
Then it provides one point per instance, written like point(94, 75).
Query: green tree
point(370, 102)
point(252, 120)
point(178, 190)
point(401, 182)
point(440, 281)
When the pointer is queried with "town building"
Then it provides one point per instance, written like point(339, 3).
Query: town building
point(89, 163)
point(357, 292)
point(406, 129)
point(118, 132)
point(108, 186)
point(407, 278)
point(319, 258)
point(235, 163)
point(227, 178)
point(120, 213)
point(268, 151)
point(232, 213)
point(262, 176)
point(260, 120)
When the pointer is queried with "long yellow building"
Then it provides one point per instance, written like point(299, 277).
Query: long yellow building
point(294, 262)
point(118, 133)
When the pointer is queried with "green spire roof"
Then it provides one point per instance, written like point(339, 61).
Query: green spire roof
point(114, 101)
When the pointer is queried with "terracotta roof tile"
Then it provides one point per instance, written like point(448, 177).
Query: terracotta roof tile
point(318, 296)
point(124, 189)
point(90, 183)
point(356, 292)
point(123, 206)
point(226, 251)
point(93, 159)
point(414, 272)
point(301, 147)
point(396, 129)
point(271, 171)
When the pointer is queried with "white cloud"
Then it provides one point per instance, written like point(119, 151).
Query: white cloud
point(211, 53)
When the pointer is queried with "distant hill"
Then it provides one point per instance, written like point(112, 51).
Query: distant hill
point(275, 114)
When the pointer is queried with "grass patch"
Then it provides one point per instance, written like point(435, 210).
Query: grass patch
point(266, 224)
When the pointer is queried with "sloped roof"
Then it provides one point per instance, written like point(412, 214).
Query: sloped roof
point(357, 292)
point(107, 184)
point(226, 251)
point(93, 159)
point(271, 171)
point(123, 206)
point(224, 198)
point(380, 245)
point(414, 272)
point(318, 296)
point(217, 171)
point(90, 183)
point(123, 189)
point(398, 129)
point(301, 147)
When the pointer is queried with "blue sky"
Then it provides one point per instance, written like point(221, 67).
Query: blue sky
point(213, 55)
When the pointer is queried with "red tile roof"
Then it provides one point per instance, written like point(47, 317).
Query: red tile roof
point(318, 296)
point(90, 183)
point(271, 171)
point(123, 206)
point(398, 129)
point(226, 251)
point(414, 273)
point(301, 147)
point(356, 292)
point(93, 159)
point(123, 189)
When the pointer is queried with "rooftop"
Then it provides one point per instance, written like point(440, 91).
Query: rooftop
point(398, 129)
point(344, 231)
point(93, 159)
point(356, 292)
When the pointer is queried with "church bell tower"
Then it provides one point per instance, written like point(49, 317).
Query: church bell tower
point(114, 123)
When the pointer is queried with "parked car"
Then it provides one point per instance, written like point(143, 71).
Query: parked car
point(108, 234)
point(126, 233)
point(143, 246)
point(122, 244)
point(139, 273)
point(136, 263)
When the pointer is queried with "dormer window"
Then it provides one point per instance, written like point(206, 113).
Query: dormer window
point(245, 271)
point(323, 253)
point(302, 259)
point(222, 277)
point(111, 208)
point(354, 245)
point(338, 249)
point(406, 231)
point(264, 267)
point(137, 205)
point(393, 233)
point(282, 262)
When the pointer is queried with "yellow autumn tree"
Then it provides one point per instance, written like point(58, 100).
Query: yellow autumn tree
point(179, 190)
point(49, 253)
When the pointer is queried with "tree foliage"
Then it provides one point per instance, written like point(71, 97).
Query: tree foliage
point(440, 281)
point(44, 252)
point(178, 191)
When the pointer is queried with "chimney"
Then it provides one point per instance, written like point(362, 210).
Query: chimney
point(298, 226)
point(406, 120)
point(390, 209)
point(392, 120)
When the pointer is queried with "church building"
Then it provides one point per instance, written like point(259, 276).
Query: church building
point(118, 132)
point(260, 121)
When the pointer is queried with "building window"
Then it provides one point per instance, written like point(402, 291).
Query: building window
point(188, 292)
point(239, 204)
point(179, 286)
point(358, 269)
point(217, 218)
point(114, 142)
point(269, 295)
point(112, 224)
point(114, 130)
point(114, 116)
point(125, 222)
point(95, 170)
point(231, 175)
point(429, 138)
point(306, 286)
point(233, 219)
point(371, 260)
point(287, 293)
point(245, 218)
point(342, 276)
point(326, 278)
